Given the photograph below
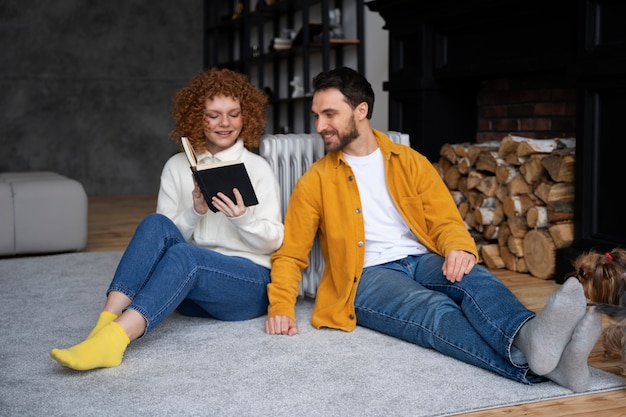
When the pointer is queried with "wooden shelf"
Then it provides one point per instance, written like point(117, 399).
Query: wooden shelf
point(242, 44)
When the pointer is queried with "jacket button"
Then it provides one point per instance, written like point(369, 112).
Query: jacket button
point(360, 244)
point(352, 317)
point(358, 211)
point(350, 177)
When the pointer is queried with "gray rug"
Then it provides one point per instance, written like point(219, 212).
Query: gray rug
point(195, 367)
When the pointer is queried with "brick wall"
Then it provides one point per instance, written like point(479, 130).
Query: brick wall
point(534, 107)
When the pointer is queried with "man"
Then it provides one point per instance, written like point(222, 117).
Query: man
point(399, 258)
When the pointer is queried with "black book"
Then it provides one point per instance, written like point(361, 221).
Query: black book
point(220, 177)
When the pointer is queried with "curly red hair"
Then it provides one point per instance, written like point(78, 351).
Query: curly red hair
point(189, 104)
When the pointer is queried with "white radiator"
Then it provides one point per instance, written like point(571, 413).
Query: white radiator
point(290, 155)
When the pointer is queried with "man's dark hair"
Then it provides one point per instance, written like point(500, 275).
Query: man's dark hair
point(354, 86)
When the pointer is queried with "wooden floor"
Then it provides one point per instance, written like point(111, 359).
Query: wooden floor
point(112, 221)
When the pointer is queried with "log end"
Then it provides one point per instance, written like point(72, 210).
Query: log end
point(539, 253)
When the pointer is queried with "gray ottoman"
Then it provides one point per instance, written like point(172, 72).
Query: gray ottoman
point(41, 212)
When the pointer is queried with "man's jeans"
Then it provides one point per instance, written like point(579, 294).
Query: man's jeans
point(474, 320)
point(160, 273)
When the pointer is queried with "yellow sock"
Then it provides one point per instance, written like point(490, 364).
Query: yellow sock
point(105, 318)
point(105, 349)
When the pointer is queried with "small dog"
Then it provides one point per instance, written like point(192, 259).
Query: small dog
point(603, 277)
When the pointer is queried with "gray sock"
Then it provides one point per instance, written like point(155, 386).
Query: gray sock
point(543, 338)
point(572, 371)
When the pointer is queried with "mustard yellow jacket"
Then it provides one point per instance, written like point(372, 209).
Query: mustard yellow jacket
point(326, 200)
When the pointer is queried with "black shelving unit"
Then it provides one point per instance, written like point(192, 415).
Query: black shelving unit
point(238, 35)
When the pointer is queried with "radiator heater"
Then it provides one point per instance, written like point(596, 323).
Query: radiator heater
point(290, 155)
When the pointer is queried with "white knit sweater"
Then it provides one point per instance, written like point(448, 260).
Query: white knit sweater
point(254, 235)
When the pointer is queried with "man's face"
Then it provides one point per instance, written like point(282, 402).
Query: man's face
point(334, 119)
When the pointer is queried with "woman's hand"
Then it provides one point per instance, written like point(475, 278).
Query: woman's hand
point(199, 204)
point(226, 205)
point(221, 202)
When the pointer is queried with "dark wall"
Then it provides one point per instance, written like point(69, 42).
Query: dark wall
point(440, 55)
point(86, 87)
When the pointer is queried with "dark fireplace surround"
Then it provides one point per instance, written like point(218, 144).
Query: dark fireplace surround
point(441, 53)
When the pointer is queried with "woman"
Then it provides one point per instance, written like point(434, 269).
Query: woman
point(185, 257)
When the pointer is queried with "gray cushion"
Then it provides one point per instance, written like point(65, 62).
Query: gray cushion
point(49, 213)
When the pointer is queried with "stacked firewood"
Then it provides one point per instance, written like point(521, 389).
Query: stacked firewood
point(516, 197)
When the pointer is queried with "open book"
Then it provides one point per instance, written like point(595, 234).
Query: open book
point(220, 177)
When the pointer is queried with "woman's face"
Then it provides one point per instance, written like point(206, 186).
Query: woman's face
point(222, 123)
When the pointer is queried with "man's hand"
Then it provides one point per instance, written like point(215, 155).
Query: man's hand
point(281, 325)
point(457, 264)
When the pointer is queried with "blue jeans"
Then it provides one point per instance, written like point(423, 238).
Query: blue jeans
point(474, 320)
point(160, 272)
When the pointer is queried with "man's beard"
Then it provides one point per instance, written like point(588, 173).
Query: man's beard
point(344, 140)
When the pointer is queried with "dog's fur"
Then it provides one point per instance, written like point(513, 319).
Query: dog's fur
point(603, 276)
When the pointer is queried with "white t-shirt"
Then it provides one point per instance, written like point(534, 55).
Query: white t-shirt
point(386, 233)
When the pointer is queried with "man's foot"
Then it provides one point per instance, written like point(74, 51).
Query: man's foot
point(543, 338)
point(572, 371)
